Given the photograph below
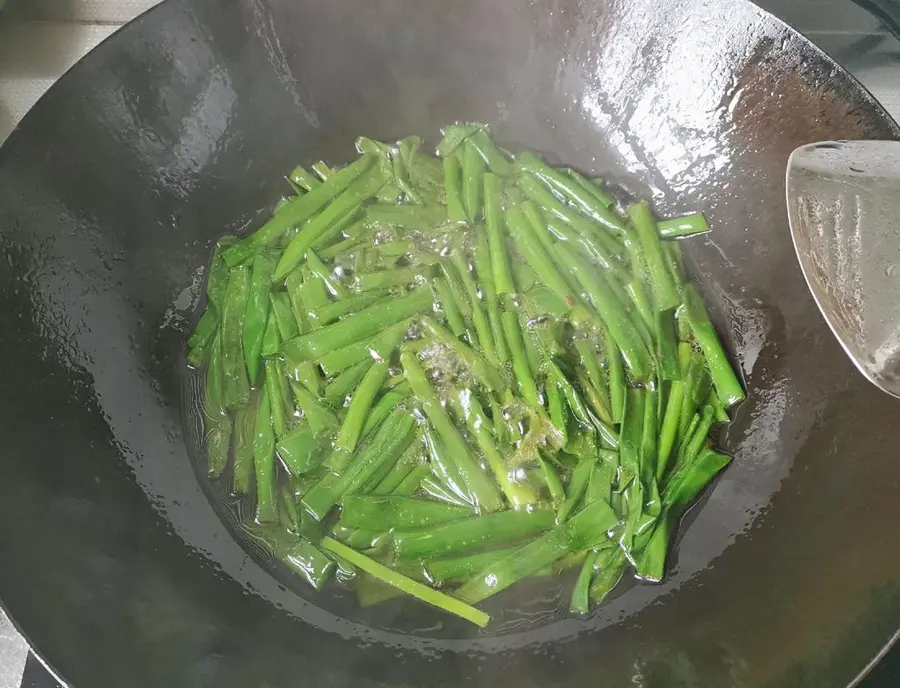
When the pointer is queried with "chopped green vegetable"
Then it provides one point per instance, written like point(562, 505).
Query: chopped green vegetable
point(465, 535)
point(465, 370)
point(408, 585)
point(385, 513)
point(586, 530)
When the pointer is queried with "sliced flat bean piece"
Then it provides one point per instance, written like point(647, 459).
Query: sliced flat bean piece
point(611, 565)
point(580, 601)
point(383, 407)
point(522, 369)
point(215, 413)
point(300, 451)
point(218, 273)
point(455, 136)
point(518, 493)
point(298, 211)
point(611, 312)
point(244, 427)
point(665, 292)
point(408, 585)
point(343, 385)
point(446, 470)
point(483, 371)
point(264, 462)
point(236, 387)
point(470, 534)
point(200, 341)
point(303, 178)
point(360, 190)
point(323, 272)
point(384, 279)
point(479, 316)
point(728, 387)
point(586, 530)
point(586, 202)
point(335, 310)
point(473, 167)
point(320, 418)
point(457, 569)
point(456, 211)
point(412, 481)
point(360, 403)
point(495, 159)
point(284, 316)
point(531, 247)
point(386, 513)
point(483, 491)
point(380, 347)
point(388, 443)
point(409, 217)
point(448, 304)
point(484, 274)
point(592, 186)
point(496, 237)
point(323, 169)
point(271, 343)
point(358, 326)
point(585, 227)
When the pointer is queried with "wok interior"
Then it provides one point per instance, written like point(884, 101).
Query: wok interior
point(180, 128)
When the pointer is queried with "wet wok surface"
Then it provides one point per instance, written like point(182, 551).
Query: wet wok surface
point(116, 566)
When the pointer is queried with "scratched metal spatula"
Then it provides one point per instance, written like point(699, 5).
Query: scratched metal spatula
point(844, 207)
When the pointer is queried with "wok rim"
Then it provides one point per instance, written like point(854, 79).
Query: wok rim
point(839, 70)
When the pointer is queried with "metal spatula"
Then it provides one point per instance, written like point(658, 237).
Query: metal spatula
point(844, 208)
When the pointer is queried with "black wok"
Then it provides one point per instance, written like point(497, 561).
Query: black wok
point(112, 560)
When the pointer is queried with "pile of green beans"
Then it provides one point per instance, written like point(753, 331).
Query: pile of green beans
point(440, 375)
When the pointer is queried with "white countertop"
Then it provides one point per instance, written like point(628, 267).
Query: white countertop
point(41, 39)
